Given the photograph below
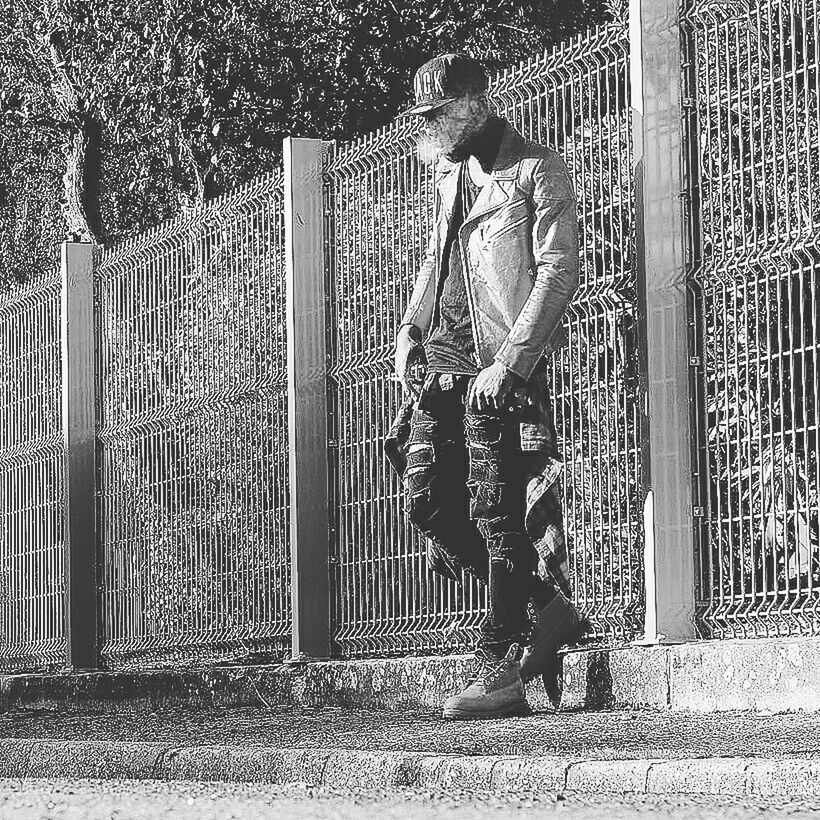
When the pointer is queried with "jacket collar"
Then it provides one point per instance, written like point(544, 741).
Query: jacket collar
point(497, 190)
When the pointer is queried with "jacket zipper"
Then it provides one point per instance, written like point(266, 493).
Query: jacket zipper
point(465, 268)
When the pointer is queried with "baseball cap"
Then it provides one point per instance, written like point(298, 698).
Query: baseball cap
point(443, 79)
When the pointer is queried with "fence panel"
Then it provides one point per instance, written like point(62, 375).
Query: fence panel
point(379, 207)
point(193, 512)
point(755, 221)
point(32, 629)
point(576, 100)
point(379, 203)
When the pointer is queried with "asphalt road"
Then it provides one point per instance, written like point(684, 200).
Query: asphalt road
point(155, 800)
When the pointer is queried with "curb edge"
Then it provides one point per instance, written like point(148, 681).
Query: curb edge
point(345, 768)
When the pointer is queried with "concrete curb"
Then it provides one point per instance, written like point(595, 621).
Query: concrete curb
point(773, 675)
point(391, 770)
point(405, 684)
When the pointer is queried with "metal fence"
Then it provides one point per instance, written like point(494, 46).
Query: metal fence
point(32, 631)
point(754, 133)
point(379, 202)
point(193, 507)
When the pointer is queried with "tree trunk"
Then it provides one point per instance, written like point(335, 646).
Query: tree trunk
point(81, 188)
point(191, 200)
point(80, 205)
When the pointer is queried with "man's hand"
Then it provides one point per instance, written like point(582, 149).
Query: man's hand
point(408, 342)
point(490, 387)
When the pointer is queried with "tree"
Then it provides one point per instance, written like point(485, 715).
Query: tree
point(123, 114)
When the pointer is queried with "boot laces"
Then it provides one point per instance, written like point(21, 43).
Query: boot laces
point(487, 667)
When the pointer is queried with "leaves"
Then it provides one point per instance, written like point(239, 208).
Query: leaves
point(194, 97)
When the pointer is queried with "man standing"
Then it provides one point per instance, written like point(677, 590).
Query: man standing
point(481, 464)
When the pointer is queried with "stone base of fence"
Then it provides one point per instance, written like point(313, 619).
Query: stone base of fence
point(771, 675)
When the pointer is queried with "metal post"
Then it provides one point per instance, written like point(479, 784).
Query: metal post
point(78, 399)
point(656, 72)
point(307, 397)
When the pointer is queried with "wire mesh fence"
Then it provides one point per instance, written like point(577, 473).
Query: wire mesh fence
point(576, 100)
point(193, 507)
point(754, 134)
point(379, 199)
point(32, 632)
point(379, 205)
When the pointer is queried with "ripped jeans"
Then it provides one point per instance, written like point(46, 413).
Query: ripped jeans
point(465, 490)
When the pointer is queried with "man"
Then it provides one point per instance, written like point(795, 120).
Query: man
point(481, 462)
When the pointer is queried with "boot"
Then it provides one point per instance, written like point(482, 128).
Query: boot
point(557, 624)
point(495, 690)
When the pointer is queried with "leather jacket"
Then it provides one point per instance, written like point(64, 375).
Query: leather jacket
point(519, 246)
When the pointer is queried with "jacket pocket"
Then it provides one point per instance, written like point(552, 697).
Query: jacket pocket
point(537, 429)
point(535, 437)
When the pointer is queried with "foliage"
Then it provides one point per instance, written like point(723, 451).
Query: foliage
point(189, 98)
point(29, 205)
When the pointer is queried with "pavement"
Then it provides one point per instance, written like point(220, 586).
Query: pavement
point(639, 752)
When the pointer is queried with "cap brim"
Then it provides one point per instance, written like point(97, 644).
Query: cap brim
point(424, 108)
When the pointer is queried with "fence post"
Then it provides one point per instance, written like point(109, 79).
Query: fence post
point(307, 397)
point(78, 400)
point(656, 71)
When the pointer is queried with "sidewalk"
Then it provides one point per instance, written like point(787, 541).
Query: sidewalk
point(650, 752)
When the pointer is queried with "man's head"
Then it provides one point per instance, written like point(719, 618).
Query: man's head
point(451, 97)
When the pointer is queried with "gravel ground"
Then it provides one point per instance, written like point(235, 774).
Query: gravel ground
point(598, 735)
point(155, 800)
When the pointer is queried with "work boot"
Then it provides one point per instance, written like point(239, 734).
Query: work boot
point(557, 624)
point(494, 690)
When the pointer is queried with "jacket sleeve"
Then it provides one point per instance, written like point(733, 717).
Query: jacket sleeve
point(419, 311)
point(555, 250)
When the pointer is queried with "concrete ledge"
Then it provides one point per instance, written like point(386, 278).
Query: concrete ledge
point(784, 776)
point(276, 766)
point(391, 770)
point(229, 686)
point(600, 775)
point(718, 775)
point(769, 675)
point(106, 760)
point(403, 684)
point(530, 774)
point(772, 675)
point(14, 757)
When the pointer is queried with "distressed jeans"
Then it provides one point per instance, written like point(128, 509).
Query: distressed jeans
point(465, 489)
